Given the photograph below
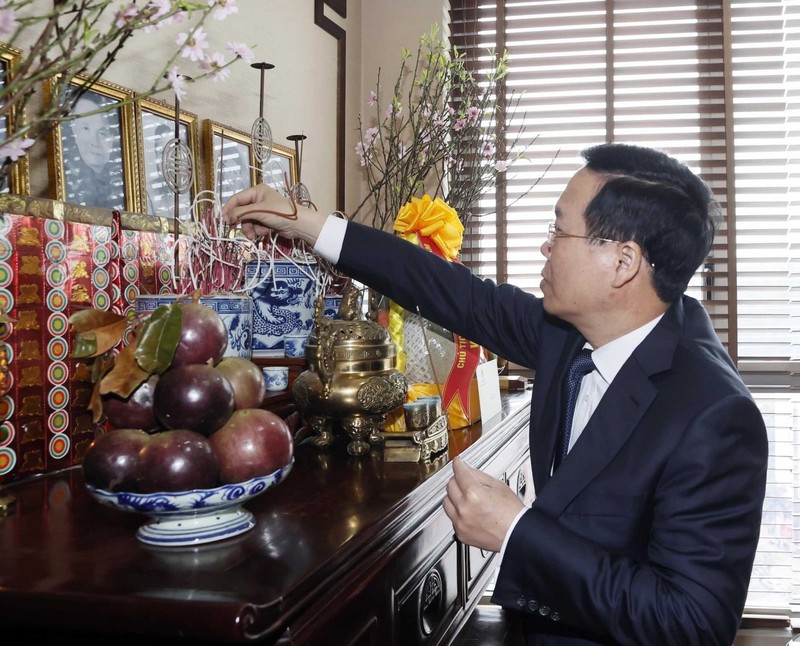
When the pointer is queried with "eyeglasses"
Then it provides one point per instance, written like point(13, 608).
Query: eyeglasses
point(554, 232)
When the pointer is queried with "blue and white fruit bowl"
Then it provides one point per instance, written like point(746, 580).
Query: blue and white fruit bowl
point(192, 517)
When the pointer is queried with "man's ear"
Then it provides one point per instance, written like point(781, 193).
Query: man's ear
point(629, 258)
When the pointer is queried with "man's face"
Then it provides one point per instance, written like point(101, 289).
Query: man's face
point(575, 277)
point(92, 135)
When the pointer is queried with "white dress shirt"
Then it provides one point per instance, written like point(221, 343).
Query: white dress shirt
point(331, 238)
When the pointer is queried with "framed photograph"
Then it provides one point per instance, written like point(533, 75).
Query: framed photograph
point(280, 167)
point(19, 181)
point(230, 162)
point(155, 127)
point(92, 157)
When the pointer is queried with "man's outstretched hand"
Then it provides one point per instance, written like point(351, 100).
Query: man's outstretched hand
point(258, 210)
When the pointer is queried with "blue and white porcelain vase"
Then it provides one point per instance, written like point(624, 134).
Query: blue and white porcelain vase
point(283, 303)
point(332, 303)
point(235, 310)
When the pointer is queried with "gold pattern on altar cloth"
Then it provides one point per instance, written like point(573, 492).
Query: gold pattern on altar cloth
point(31, 405)
point(83, 424)
point(31, 376)
point(82, 397)
point(32, 461)
point(79, 450)
point(79, 244)
point(32, 431)
point(31, 265)
point(26, 320)
point(38, 207)
point(79, 294)
point(29, 351)
point(148, 269)
point(79, 270)
point(28, 237)
point(29, 295)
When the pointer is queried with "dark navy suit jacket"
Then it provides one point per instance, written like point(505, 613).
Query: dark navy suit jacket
point(647, 532)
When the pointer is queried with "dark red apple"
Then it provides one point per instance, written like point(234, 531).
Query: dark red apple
point(204, 336)
point(254, 442)
point(177, 460)
point(111, 460)
point(194, 396)
point(134, 412)
point(247, 381)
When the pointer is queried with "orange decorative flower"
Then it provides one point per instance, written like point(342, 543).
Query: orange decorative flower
point(434, 219)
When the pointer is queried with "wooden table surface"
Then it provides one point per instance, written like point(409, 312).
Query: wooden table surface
point(68, 563)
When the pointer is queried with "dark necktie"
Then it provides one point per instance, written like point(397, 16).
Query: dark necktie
point(581, 365)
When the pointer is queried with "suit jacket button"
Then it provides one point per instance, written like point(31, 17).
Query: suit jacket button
point(521, 601)
point(544, 611)
point(555, 616)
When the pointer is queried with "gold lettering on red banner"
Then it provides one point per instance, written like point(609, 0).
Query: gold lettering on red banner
point(32, 461)
point(79, 294)
point(29, 295)
point(79, 243)
point(31, 405)
point(31, 265)
point(468, 355)
point(26, 320)
point(79, 270)
point(29, 351)
point(28, 237)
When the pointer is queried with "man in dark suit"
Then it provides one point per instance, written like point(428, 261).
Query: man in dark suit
point(648, 505)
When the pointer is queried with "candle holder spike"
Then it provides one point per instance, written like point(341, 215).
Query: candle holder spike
point(261, 133)
point(299, 191)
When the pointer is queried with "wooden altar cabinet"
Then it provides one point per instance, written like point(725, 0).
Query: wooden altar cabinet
point(345, 551)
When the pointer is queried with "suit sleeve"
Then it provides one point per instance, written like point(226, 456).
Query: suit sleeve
point(691, 586)
point(501, 318)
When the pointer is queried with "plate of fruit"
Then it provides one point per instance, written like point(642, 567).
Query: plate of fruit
point(189, 445)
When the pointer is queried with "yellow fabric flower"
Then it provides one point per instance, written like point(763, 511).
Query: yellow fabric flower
point(432, 218)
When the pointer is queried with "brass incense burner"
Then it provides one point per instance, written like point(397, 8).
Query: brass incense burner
point(351, 379)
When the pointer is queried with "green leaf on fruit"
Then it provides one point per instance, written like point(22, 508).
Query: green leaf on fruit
point(159, 338)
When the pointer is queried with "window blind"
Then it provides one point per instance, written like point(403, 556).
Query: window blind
point(716, 84)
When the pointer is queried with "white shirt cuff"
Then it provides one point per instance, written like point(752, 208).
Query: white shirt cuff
point(511, 529)
point(331, 239)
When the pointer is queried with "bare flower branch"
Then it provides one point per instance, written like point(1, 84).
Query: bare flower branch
point(436, 133)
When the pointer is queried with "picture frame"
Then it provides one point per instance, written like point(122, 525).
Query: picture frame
point(19, 178)
point(155, 125)
point(92, 160)
point(280, 165)
point(230, 160)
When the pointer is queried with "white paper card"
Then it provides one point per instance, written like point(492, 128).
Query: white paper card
point(488, 389)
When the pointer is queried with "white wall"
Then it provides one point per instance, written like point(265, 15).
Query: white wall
point(386, 27)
